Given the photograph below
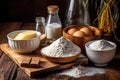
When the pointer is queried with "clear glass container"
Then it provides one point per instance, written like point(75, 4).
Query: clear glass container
point(40, 26)
point(53, 23)
point(77, 13)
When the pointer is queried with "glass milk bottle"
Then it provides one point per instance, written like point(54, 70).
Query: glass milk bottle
point(53, 23)
point(40, 26)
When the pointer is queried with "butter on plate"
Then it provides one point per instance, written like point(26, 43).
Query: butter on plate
point(25, 35)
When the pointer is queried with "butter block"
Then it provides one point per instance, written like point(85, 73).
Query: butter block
point(25, 35)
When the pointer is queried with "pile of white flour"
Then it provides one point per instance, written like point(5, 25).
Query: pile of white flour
point(101, 45)
point(61, 48)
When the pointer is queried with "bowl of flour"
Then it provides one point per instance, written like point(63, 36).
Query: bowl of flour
point(61, 51)
point(100, 52)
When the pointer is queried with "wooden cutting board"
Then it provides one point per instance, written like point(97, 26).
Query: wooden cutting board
point(34, 64)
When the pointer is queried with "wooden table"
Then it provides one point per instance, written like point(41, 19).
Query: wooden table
point(10, 71)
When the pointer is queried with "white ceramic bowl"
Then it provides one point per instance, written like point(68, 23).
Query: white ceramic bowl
point(100, 57)
point(23, 46)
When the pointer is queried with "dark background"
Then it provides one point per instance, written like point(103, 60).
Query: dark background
point(27, 10)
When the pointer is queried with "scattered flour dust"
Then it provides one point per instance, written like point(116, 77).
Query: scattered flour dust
point(61, 48)
point(80, 71)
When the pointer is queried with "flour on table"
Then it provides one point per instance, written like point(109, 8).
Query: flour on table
point(80, 71)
